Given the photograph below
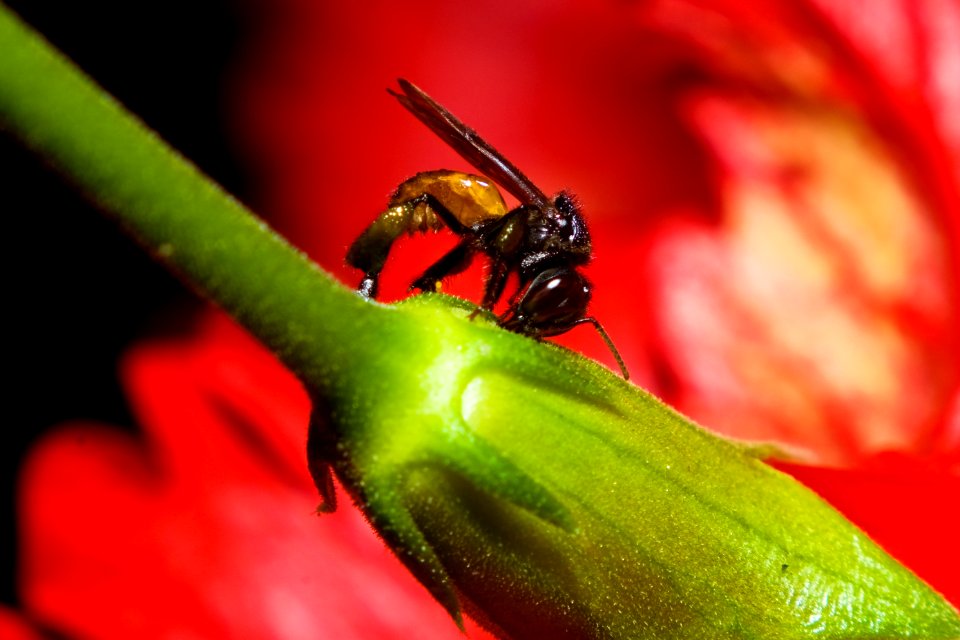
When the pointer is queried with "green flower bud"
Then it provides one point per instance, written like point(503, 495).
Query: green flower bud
point(554, 500)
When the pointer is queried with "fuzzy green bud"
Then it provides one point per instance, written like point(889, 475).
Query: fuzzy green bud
point(556, 500)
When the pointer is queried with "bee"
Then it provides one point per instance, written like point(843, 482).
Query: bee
point(543, 240)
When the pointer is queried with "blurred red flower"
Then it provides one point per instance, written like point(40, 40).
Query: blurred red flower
point(816, 304)
point(774, 195)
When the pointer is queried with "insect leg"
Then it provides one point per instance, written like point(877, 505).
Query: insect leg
point(452, 262)
point(369, 251)
point(502, 239)
point(496, 282)
point(419, 214)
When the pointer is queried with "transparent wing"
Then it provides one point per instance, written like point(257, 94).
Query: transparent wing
point(469, 145)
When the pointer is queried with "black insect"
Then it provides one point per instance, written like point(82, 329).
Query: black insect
point(542, 240)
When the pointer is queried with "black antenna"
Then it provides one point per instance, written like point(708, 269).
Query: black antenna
point(606, 338)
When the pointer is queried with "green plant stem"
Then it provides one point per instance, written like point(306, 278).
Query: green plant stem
point(186, 221)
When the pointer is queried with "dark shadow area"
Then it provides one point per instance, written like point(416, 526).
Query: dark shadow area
point(82, 291)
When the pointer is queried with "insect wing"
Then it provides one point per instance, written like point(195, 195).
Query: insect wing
point(469, 145)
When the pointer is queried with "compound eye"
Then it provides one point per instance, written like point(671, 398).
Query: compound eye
point(555, 300)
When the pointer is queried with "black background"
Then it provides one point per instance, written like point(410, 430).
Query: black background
point(78, 291)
